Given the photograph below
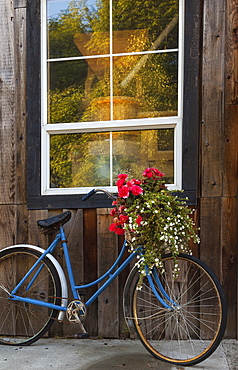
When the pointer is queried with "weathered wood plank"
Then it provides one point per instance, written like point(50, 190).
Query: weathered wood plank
point(210, 234)
point(7, 104)
point(231, 102)
point(123, 331)
point(20, 4)
point(7, 225)
point(20, 102)
point(213, 98)
point(21, 224)
point(34, 235)
point(90, 266)
point(229, 244)
point(108, 301)
point(74, 233)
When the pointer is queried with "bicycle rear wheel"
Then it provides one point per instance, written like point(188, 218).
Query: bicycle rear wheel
point(22, 323)
point(191, 330)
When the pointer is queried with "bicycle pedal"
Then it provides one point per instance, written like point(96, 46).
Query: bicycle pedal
point(81, 336)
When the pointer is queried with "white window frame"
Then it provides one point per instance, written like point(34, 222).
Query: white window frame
point(174, 122)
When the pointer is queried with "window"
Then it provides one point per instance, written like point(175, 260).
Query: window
point(111, 97)
point(111, 89)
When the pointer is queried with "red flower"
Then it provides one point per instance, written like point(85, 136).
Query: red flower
point(152, 172)
point(136, 190)
point(122, 176)
point(120, 183)
point(148, 173)
point(113, 212)
point(120, 231)
point(121, 209)
point(117, 230)
point(123, 192)
point(129, 184)
point(123, 218)
point(113, 227)
point(136, 182)
point(138, 220)
point(157, 172)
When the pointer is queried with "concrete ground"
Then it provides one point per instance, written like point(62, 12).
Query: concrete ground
point(103, 354)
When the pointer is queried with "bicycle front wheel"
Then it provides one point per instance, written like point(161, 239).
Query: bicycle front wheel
point(192, 328)
point(23, 323)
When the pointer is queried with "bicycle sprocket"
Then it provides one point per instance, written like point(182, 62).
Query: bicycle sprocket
point(76, 311)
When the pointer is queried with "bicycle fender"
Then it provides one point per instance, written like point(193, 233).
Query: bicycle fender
point(63, 282)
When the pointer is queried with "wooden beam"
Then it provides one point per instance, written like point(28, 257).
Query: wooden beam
point(213, 98)
point(20, 103)
point(108, 301)
point(20, 4)
point(7, 104)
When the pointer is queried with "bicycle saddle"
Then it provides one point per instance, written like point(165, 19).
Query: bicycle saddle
point(51, 224)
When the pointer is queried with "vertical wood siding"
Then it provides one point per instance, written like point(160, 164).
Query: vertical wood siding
point(92, 246)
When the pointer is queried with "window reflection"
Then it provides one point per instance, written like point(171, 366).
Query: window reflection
point(148, 82)
point(83, 160)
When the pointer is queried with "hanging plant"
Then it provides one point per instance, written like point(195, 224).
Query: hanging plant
point(151, 216)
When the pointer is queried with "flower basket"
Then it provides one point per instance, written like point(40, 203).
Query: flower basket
point(150, 215)
point(128, 236)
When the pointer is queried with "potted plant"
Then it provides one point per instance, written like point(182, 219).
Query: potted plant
point(151, 216)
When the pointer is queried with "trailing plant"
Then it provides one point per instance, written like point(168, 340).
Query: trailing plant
point(151, 216)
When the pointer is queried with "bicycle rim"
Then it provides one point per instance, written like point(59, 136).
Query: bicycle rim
point(192, 329)
point(22, 323)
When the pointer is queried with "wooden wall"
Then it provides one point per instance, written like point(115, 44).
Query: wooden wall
point(93, 247)
point(219, 149)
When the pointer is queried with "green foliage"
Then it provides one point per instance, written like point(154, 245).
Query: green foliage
point(156, 220)
point(66, 105)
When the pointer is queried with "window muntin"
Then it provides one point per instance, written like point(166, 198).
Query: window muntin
point(121, 79)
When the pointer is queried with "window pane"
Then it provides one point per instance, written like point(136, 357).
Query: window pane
point(144, 25)
point(143, 86)
point(83, 160)
point(78, 160)
point(72, 28)
point(82, 27)
point(74, 89)
point(151, 80)
point(133, 151)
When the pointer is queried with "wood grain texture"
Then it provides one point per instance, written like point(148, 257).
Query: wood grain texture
point(7, 104)
point(210, 234)
point(231, 102)
point(229, 244)
point(20, 103)
point(90, 266)
point(213, 98)
point(108, 301)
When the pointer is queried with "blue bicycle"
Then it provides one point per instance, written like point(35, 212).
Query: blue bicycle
point(181, 321)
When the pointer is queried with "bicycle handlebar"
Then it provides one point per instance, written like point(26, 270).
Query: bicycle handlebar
point(94, 191)
point(90, 194)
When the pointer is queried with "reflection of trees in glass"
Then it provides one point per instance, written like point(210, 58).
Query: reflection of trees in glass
point(153, 86)
point(79, 160)
point(155, 82)
point(66, 105)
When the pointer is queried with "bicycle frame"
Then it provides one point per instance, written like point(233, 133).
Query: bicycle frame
point(109, 276)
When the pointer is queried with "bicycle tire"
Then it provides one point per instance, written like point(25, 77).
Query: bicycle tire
point(191, 331)
point(23, 323)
